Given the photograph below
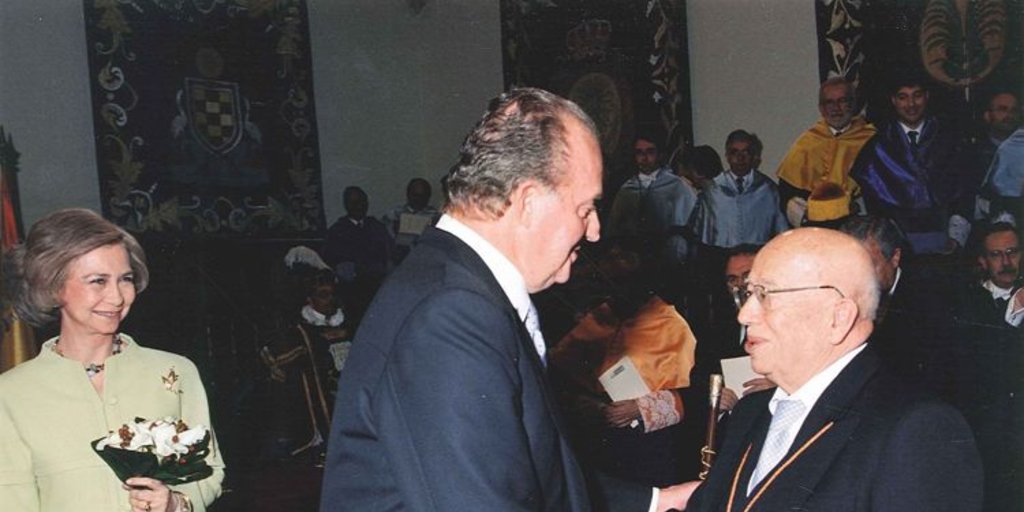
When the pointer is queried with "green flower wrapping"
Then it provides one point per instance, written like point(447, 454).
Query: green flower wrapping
point(166, 450)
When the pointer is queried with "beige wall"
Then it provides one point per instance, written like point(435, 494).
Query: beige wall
point(754, 66)
point(396, 90)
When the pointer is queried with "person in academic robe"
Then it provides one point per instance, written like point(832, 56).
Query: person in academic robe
point(914, 171)
point(825, 152)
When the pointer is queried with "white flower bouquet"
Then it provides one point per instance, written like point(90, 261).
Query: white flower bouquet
point(166, 450)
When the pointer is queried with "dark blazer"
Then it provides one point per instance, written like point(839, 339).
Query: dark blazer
point(994, 394)
point(888, 449)
point(443, 404)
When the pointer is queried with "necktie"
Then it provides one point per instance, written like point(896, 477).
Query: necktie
point(777, 442)
point(912, 135)
point(739, 186)
point(532, 322)
point(1001, 304)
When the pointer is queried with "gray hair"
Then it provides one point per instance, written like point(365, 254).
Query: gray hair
point(521, 137)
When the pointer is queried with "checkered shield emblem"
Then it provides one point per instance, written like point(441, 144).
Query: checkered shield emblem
point(214, 113)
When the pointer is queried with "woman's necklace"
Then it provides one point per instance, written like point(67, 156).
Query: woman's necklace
point(94, 369)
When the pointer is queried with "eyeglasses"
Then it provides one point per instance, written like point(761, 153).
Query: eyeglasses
point(734, 152)
point(1009, 252)
point(762, 293)
point(839, 102)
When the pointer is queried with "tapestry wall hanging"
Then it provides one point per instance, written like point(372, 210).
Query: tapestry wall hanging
point(969, 49)
point(204, 117)
point(624, 62)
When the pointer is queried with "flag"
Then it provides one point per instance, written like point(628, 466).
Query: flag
point(19, 344)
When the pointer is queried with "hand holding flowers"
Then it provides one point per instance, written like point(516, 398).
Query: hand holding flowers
point(166, 450)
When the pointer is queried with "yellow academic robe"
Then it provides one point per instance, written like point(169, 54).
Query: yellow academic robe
point(819, 156)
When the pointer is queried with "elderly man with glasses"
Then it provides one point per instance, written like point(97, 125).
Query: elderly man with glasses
point(988, 320)
point(839, 433)
point(826, 151)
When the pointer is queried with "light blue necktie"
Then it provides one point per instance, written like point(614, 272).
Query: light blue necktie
point(777, 442)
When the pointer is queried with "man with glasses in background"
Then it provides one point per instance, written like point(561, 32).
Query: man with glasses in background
point(826, 151)
point(839, 433)
point(742, 206)
point(988, 320)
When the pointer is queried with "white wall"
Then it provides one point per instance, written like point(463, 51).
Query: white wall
point(44, 104)
point(397, 90)
point(754, 65)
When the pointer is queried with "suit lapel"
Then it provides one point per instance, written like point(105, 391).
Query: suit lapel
point(838, 406)
point(463, 255)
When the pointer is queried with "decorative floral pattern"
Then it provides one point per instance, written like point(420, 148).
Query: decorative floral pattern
point(204, 116)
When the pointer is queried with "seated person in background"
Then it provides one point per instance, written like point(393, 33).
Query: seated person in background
point(742, 206)
point(1001, 118)
point(994, 390)
point(637, 439)
point(82, 272)
point(913, 171)
point(826, 151)
point(360, 251)
point(914, 334)
point(700, 166)
point(652, 208)
point(724, 337)
point(1004, 183)
point(406, 222)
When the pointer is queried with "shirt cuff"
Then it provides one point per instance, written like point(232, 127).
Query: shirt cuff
point(1014, 318)
point(655, 493)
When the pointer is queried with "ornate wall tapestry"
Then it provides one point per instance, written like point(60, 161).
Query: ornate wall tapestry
point(969, 48)
point(204, 117)
point(624, 61)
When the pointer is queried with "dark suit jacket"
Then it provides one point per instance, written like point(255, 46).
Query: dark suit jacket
point(889, 449)
point(443, 404)
point(994, 394)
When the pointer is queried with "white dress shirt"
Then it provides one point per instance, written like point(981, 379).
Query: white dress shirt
point(809, 393)
point(507, 275)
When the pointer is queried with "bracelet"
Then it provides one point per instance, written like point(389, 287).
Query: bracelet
point(184, 502)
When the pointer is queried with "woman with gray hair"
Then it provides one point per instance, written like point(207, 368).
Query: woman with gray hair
point(83, 272)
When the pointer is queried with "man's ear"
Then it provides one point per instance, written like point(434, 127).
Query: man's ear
point(524, 202)
point(844, 316)
point(896, 255)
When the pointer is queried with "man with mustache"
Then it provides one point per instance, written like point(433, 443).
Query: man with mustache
point(988, 320)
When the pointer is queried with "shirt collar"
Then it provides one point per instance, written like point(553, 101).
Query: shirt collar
point(507, 275)
point(811, 391)
point(907, 129)
point(746, 177)
point(646, 179)
point(837, 131)
point(997, 292)
point(895, 281)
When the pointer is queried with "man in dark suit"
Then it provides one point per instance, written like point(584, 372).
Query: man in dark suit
point(444, 403)
point(839, 433)
point(994, 387)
